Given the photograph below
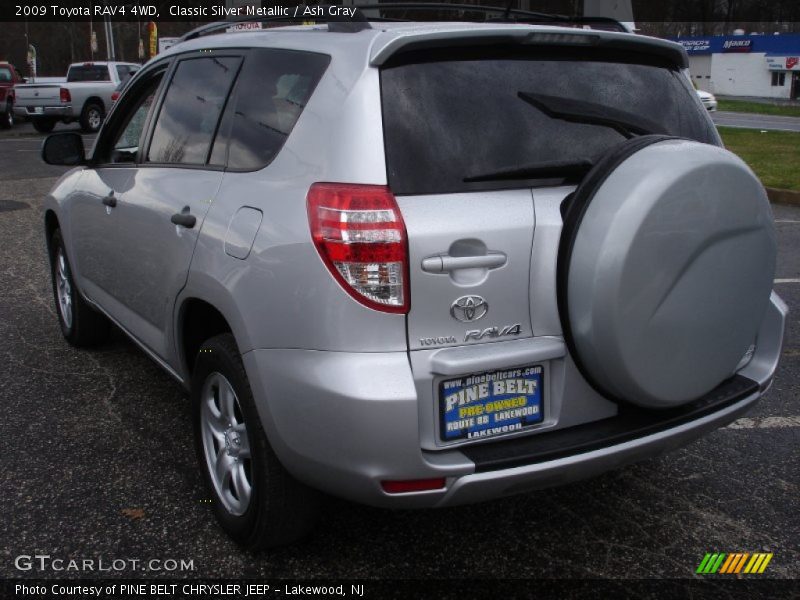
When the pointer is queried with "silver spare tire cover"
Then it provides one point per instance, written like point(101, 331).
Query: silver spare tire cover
point(666, 266)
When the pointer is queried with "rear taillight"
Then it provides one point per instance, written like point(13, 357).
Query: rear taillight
point(114, 96)
point(64, 95)
point(360, 235)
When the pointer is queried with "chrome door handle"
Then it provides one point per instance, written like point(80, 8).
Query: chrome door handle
point(444, 263)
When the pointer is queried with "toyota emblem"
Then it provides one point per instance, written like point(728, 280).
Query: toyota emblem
point(469, 308)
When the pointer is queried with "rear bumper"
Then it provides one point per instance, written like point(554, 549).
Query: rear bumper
point(573, 466)
point(343, 422)
point(58, 112)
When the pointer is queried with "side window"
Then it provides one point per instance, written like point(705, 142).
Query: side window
point(123, 72)
point(126, 144)
point(190, 112)
point(271, 93)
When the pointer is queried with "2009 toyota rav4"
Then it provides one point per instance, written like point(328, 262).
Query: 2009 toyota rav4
point(417, 265)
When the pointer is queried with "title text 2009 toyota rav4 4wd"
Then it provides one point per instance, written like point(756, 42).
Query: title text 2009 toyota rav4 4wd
point(419, 265)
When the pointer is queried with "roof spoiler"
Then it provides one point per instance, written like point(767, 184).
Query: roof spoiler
point(419, 40)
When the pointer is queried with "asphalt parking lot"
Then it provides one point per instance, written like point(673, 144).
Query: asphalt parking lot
point(97, 461)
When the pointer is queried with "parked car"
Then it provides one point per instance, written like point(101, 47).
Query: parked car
point(9, 77)
point(420, 265)
point(708, 100)
point(84, 97)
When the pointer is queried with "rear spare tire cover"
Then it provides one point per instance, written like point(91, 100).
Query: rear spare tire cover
point(665, 271)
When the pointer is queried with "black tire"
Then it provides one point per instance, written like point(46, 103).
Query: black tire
point(43, 125)
point(7, 118)
point(85, 327)
point(92, 117)
point(281, 510)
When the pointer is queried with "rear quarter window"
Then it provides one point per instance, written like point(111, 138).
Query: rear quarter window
point(270, 94)
point(452, 116)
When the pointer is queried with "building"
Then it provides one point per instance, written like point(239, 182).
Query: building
point(745, 65)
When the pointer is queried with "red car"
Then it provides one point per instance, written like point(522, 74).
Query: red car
point(9, 77)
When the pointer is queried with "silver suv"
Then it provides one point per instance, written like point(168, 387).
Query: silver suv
point(419, 265)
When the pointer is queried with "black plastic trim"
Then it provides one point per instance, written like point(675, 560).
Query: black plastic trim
point(631, 423)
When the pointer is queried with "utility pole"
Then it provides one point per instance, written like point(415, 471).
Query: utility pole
point(109, 39)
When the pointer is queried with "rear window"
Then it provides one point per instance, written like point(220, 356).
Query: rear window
point(5, 75)
point(88, 73)
point(470, 121)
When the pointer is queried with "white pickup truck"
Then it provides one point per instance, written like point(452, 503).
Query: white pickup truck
point(85, 96)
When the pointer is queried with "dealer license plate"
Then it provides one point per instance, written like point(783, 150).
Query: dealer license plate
point(491, 404)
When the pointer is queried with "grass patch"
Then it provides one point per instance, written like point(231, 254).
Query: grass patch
point(774, 155)
point(757, 107)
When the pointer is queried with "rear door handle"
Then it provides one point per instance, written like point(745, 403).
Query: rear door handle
point(444, 263)
point(110, 200)
point(184, 219)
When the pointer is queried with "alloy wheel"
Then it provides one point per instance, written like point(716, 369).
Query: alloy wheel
point(226, 445)
point(64, 288)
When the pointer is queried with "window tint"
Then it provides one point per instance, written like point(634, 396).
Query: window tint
point(271, 93)
point(190, 112)
point(449, 117)
point(127, 143)
point(88, 72)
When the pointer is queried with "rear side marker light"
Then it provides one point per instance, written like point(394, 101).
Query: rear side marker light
point(412, 485)
point(64, 95)
point(359, 233)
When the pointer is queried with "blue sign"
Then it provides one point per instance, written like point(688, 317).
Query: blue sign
point(700, 46)
point(737, 45)
point(782, 45)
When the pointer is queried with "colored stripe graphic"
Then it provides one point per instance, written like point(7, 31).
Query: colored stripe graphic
point(703, 563)
point(764, 564)
point(733, 563)
point(713, 564)
point(710, 564)
point(740, 564)
point(727, 564)
point(755, 562)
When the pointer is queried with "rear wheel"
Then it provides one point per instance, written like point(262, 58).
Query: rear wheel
point(256, 501)
point(81, 325)
point(7, 118)
point(91, 117)
point(43, 124)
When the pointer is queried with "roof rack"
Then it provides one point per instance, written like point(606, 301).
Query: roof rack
point(506, 14)
point(359, 21)
point(337, 23)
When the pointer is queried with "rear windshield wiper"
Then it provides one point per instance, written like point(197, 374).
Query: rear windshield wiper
point(554, 169)
point(589, 113)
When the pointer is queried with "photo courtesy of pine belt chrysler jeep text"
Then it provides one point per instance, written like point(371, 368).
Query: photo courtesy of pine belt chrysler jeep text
point(419, 264)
